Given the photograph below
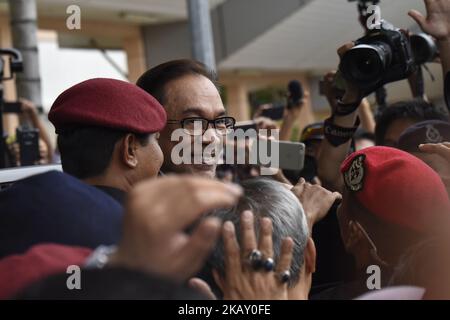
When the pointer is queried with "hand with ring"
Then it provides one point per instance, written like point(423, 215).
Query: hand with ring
point(250, 269)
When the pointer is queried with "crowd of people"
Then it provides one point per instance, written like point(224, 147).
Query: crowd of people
point(367, 217)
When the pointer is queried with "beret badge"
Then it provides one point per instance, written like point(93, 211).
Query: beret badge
point(433, 135)
point(354, 176)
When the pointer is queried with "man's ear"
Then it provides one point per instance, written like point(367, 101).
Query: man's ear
point(129, 148)
point(310, 256)
point(354, 238)
point(218, 279)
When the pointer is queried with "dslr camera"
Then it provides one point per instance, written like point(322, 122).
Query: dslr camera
point(386, 54)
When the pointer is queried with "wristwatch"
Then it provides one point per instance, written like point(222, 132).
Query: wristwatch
point(344, 109)
point(100, 257)
point(337, 135)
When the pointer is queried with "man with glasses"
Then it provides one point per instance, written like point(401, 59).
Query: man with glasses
point(391, 201)
point(188, 93)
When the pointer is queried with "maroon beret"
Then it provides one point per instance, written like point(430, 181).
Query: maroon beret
point(396, 187)
point(40, 261)
point(107, 103)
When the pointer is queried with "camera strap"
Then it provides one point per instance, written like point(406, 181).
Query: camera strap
point(337, 135)
point(344, 109)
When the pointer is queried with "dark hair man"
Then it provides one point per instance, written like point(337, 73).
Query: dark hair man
point(399, 116)
point(107, 134)
point(188, 92)
point(432, 131)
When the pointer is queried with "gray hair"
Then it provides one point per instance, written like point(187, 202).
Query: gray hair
point(265, 198)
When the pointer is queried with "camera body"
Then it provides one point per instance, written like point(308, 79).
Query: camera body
point(15, 63)
point(384, 55)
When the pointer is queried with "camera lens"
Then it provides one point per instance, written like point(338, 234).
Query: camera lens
point(365, 64)
point(423, 47)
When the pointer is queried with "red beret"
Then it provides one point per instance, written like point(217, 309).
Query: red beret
point(19, 271)
point(107, 103)
point(396, 187)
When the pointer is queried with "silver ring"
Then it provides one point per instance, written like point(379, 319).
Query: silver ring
point(255, 259)
point(285, 276)
point(269, 264)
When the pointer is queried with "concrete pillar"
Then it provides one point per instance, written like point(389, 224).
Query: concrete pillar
point(202, 41)
point(23, 15)
point(237, 102)
point(134, 48)
point(10, 121)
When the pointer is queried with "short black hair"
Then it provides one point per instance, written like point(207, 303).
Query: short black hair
point(86, 152)
point(110, 284)
point(418, 110)
point(155, 80)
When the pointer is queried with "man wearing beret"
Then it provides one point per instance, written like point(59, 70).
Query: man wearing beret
point(188, 92)
point(432, 131)
point(108, 134)
point(391, 201)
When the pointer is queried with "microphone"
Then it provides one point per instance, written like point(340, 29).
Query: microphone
point(295, 93)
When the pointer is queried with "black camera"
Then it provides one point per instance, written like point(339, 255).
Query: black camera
point(386, 54)
point(15, 63)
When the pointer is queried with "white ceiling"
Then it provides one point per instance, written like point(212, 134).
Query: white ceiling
point(176, 8)
point(308, 39)
point(139, 11)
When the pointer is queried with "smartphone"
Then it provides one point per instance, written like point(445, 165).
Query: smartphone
point(274, 113)
point(291, 155)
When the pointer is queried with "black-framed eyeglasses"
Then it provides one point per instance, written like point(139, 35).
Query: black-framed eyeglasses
point(197, 126)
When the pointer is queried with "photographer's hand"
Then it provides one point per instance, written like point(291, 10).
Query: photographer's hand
point(28, 108)
point(442, 150)
point(437, 24)
point(290, 118)
point(332, 155)
point(30, 111)
point(316, 201)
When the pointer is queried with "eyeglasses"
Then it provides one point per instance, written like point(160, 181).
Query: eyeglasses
point(198, 126)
